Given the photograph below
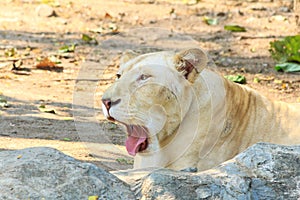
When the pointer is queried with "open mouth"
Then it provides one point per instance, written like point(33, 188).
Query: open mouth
point(137, 140)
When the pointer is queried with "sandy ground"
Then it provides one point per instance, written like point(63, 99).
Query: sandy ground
point(60, 109)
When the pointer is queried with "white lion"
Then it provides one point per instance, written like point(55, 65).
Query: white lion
point(179, 114)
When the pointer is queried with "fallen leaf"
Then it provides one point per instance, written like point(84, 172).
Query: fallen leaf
point(54, 3)
point(284, 86)
point(277, 81)
point(110, 28)
point(43, 108)
point(234, 28)
point(17, 65)
point(55, 59)
point(236, 78)
point(288, 67)
point(52, 111)
point(210, 21)
point(47, 64)
point(3, 102)
point(10, 52)
point(68, 118)
point(19, 156)
point(67, 48)
point(88, 39)
point(97, 30)
point(172, 11)
point(256, 80)
point(93, 198)
point(107, 16)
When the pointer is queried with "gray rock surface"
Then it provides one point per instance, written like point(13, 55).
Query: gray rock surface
point(264, 171)
point(46, 173)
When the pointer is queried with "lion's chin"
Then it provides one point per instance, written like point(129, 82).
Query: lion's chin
point(137, 140)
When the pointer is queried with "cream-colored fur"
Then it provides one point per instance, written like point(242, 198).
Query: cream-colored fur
point(193, 116)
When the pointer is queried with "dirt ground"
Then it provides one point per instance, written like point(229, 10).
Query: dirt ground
point(59, 106)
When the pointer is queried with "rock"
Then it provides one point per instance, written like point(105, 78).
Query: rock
point(46, 173)
point(263, 171)
point(45, 10)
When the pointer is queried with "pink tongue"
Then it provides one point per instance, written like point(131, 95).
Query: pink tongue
point(133, 144)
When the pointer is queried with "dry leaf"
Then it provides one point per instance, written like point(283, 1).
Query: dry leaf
point(107, 16)
point(47, 64)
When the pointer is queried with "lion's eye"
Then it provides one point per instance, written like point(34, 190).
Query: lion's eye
point(144, 77)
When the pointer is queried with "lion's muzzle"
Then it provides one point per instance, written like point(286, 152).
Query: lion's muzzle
point(106, 105)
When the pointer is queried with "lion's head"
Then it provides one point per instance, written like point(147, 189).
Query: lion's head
point(152, 95)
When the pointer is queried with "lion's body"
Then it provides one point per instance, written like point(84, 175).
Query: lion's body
point(197, 118)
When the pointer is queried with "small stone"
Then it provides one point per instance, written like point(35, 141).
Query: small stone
point(44, 10)
point(284, 9)
point(203, 193)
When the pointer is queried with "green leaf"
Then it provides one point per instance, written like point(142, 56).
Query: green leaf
point(67, 48)
point(3, 102)
point(10, 52)
point(235, 28)
point(256, 80)
point(43, 108)
point(288, 67)
point(54, 59)
point(54, 3)
point(68, 118)
point(210, 21)
point(236, 78)
point(93, 197)
point(66, 139)
point(86, 38)
point(286, 50)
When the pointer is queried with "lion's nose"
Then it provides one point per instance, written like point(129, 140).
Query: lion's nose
point(106, 106)
point(107, 103)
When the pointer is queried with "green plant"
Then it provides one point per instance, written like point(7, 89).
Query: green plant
point(286, 50)
point(287, 53)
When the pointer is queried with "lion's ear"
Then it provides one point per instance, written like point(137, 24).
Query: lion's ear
point(127, 55)
point(190, 63)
